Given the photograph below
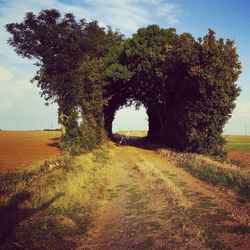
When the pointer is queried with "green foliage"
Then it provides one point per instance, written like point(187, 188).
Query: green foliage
point(89, 132)
point(74, 57)
point(91, 105)
point(58, 43)
point(188, 86)
point(71, 142)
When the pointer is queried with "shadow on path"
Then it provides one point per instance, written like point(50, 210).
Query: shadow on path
point(11, 214)
point(136, 141)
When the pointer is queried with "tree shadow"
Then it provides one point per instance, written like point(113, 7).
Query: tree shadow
point(11, 214)
point(136, 141)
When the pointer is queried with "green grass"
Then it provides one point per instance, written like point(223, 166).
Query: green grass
point(43, 205)
point(136, 199)
point(238, 143)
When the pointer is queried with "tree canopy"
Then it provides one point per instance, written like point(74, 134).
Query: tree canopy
point(188, 86)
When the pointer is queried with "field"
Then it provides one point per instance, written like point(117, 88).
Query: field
point(139, 133)
point(21, 149)
point(239, 149)
point(134, 196)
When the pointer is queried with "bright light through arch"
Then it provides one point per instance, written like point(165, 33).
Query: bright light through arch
point(128, 118)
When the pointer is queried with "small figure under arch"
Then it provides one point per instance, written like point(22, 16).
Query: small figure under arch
point(123, 141)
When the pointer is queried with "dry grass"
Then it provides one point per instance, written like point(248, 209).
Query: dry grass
point(137, 133)
point(218, 173)
point(54, 200)
point(158, 181)
point(176, 207)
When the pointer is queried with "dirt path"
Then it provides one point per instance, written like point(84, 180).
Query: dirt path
point(135, 216)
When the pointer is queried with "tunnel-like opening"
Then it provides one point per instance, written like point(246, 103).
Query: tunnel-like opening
point(131, 119)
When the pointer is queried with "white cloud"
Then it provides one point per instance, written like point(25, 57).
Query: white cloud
point(126, 15)
point(170, 12)
point(129, 15)
point(13, 84)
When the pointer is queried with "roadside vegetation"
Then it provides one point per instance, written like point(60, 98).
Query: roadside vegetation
point(157, 181)
point(217, 173)
point(42, 205)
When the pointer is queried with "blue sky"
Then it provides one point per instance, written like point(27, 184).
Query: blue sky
point(21, 106)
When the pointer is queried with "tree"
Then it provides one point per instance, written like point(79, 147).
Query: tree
point(59, 44)
point(63, 47)
point(188, 86)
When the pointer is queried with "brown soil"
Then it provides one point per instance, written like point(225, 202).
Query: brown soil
point(240, 157)
point(135, 216)
point(20, 149)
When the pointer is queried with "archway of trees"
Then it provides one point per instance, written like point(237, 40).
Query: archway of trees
point(187, 86)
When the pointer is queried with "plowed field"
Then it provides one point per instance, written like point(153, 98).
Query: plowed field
point(239, 149)
point(21, 149)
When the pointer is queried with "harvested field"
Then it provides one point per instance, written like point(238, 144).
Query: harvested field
point(240, 158)
point(21, 149)
point(126, 197)
point(238, 148)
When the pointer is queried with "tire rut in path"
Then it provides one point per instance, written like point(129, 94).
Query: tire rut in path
point(135, 217)
point(225, 220)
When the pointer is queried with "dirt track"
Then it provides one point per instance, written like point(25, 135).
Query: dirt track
point(20, 149)
point(137, 217)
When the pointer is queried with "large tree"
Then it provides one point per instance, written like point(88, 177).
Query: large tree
point(74, 58)
point(188, 86)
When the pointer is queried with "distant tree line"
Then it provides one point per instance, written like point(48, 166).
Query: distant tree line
point(188, 86)
point(50, 129)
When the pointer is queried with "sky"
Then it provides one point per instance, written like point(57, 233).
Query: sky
point(22, 108)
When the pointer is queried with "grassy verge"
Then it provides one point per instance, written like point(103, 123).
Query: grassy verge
point(217, 173)
point(204, 214)
point(175, 210)
point(45, 205)
point(158, 181)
